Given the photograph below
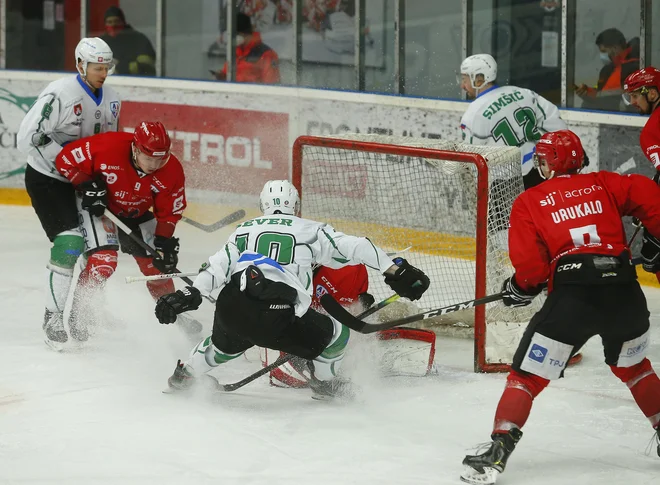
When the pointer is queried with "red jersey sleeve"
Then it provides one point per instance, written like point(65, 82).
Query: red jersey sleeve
point(527, 251)
point(170, 198)
point(75, 161)
point(649, 139)
point(636, 196)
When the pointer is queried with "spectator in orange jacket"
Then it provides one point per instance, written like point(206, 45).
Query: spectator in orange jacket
point(255, 61)
point(621, 59)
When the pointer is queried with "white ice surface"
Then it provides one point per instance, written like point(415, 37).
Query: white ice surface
point(97, 416)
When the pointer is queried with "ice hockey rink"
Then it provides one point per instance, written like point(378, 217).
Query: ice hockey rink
point(97, 415)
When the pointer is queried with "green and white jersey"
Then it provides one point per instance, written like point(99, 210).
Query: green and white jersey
point(295, 245)
point(65, 111)
point(510, 116)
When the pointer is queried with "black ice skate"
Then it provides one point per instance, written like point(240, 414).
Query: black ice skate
point(484, 469)
point(338, 387)
point(181, 380)
point(53, 326)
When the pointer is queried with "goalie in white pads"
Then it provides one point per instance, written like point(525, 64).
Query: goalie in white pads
point(402, 351)
point(265, 275)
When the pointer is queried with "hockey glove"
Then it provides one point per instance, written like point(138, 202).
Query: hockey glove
point(407, 281)
point(168, 250)
point(366, 300)
point(514, 296)
point(650, 252)
point(170, 305)
point(94, 196)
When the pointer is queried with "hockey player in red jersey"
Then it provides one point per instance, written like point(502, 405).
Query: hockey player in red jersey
point(567, 231)
point(128, 174)
point(642, 90)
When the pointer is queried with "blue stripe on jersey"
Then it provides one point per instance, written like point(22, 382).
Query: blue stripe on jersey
point(494, 86)
point(97, 98)
point(258, 259)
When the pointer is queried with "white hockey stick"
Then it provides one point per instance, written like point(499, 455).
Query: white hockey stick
point(167, 276)
point(400, 251)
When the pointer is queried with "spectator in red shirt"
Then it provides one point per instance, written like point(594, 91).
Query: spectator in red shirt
point(255, 61)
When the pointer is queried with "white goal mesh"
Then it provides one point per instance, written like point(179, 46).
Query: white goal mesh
point(423, 193)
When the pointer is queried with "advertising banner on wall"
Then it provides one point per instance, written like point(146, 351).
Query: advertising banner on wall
point(224, 150)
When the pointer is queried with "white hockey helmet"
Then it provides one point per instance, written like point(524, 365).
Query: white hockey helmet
point(483, 64)
point(95, 50)
point(279, 195)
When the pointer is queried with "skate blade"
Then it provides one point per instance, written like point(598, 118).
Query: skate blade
point(472, 476)
point(56, 346)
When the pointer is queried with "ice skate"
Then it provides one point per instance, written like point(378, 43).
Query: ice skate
point(657, 439)
point(189, 325)
point(53, 326)
point(484, 469)
point(181, 380)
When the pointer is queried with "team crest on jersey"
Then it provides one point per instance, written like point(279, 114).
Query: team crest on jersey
point(320, 291)
point(77, 109)
point(114, 108)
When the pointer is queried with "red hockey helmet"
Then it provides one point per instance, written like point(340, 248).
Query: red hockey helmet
point(641, 80)
point(561, 151)
point(151, 138)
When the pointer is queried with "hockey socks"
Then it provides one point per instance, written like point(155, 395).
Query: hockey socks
point(516, 401)
point(644, 386)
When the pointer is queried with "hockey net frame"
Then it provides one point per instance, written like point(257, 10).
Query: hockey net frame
point(423, 148)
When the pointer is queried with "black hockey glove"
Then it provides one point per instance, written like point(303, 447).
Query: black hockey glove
point(366, 300)
point(407, 281)
point(170, 305)
point(650, 252)
point(94, 196)
point(168, 250)
point(514, 296)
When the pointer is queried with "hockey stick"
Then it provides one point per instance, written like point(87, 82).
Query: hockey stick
point(166, 276)
point(225, 221)
point(345, 318)
point(286, 358)
point(138, 240)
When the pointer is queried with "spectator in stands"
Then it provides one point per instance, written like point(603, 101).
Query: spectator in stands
point(134, 54)
point(255, 61)
point(621, 59)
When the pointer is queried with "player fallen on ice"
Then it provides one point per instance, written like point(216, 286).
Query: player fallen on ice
point(68, 109)
point(128, 174)
point(264, 272)
point(578, 245)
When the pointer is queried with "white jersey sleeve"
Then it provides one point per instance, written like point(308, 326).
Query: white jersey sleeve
point(35, 133)
point(548, 116)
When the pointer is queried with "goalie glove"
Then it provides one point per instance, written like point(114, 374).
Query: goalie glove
point(650, 252)
point(514, 296)
point(407, 281)
point(170, 305)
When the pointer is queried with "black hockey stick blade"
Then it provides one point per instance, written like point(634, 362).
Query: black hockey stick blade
point(286, 358)
point(345, 318)
point(225, 221)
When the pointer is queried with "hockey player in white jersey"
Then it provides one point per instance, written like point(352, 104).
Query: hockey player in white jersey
point(68, 109)
point(265, 275)
point(505, 115)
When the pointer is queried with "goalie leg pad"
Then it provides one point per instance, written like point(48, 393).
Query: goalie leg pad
point(407, 351)
point(327, 365)
point(100, 266)
point(67, 246)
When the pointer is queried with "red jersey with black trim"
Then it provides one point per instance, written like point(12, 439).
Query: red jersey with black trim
point(343, 284)
point(130, 193)
point(649, 138)
point(572, 214)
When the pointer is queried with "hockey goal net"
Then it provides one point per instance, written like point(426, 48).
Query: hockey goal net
point(450, 201)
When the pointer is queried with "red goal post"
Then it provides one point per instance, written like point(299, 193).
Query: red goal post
point(450, 201)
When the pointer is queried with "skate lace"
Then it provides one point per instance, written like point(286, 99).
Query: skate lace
point(653, 442)
point(480, 448)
